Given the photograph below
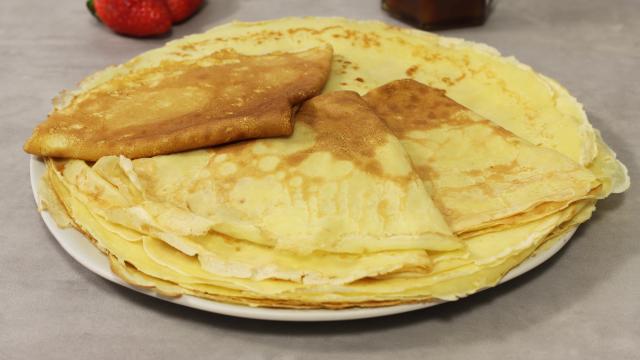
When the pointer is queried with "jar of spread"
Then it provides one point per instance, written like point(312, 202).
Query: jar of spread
point(438, 14)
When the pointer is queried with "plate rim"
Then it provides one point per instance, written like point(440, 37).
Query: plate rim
point(73, 242)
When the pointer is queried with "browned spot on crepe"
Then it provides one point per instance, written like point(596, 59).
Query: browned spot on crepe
point(414, 106)
point(343, 125)
point(346, 127)
point(411, 70)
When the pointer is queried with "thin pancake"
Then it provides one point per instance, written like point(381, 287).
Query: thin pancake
point(479, 174)
point(182, 105)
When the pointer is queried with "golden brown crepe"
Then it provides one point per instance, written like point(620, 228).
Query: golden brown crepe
point(181, 105)
point(479, 174)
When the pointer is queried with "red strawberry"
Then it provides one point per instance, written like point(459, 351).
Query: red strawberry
point(182, 9)
point(133, 17)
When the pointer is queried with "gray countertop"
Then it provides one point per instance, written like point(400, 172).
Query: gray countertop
point(582, 304)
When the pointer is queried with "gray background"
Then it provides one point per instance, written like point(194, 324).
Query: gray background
point(582, 304)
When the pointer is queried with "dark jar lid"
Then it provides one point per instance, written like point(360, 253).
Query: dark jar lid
point(438, 14)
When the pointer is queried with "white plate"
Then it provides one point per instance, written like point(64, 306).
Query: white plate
point(90, 257)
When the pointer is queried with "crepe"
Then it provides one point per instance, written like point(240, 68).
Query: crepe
point(180, 105)
point(479, 174)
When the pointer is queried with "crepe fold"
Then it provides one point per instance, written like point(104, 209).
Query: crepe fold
point(480, 175)
point(182, 105)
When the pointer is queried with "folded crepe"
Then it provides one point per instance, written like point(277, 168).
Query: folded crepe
point(181, 105)
point(479, 174)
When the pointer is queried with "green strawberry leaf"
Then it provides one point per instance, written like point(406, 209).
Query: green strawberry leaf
point(92, 9)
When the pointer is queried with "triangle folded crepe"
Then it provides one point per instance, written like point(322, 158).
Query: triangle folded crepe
point(182, 105)
point(481, 176)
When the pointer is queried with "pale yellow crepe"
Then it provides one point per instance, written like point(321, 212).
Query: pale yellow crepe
point(479, 174)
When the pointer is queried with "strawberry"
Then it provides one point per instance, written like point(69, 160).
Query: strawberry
point(133, 17)
point(182, 9)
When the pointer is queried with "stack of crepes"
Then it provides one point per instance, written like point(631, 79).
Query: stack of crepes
point(426, 169)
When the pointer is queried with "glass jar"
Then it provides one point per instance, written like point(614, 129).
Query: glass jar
point(438, 14)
